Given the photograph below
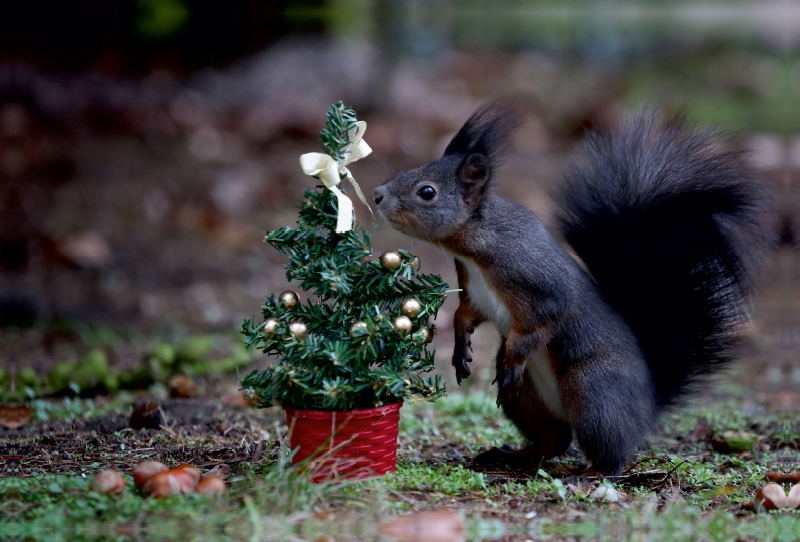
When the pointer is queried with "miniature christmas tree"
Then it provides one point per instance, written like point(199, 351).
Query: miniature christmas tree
point(362, 343)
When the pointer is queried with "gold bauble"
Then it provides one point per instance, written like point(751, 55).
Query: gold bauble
point(289, 299)
point(270, 325)
point(410, 307)
point(403, 324)
point(298, 330)
point(425, 334)
point(390, 260)
point(357, 327)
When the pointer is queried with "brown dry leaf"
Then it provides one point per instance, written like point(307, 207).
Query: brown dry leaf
point(577, 490)
point(15, 416)
point(784, 477)
point(770, 497)
point(773, 497)
point(703, 431)
point(793, 500)
point(733, 442)
point(428, 526)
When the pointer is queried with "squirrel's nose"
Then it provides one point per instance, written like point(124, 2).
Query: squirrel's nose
point(378, 195)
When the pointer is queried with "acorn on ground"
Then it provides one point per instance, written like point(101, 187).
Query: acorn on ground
point(164, 484)
point(191, 469)
point(186, 480)
point(211, 485)
point(108, 482)
point(144, 471)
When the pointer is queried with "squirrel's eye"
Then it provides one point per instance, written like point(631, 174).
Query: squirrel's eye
point(427, 193)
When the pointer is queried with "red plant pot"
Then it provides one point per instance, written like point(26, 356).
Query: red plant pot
point(345, 445)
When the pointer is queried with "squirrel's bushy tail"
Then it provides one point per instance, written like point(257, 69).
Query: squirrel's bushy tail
point(670, 222)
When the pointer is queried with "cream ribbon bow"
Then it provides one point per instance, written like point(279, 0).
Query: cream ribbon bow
point(330, 172)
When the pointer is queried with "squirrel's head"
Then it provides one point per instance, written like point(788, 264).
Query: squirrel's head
point(433, 201)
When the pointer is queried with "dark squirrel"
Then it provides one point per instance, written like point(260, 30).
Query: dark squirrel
point(668, 220)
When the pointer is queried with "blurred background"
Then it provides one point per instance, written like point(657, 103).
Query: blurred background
point(146, 146)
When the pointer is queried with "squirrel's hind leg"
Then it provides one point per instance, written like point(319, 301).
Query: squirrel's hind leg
point(549, 435)
point(611, 407)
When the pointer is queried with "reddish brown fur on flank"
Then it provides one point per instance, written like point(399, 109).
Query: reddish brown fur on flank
point(549, 436)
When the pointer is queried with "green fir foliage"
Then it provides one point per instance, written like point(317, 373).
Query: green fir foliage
point(334, 137)
point(337, 366)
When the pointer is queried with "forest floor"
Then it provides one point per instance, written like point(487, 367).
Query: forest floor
point(680, 487)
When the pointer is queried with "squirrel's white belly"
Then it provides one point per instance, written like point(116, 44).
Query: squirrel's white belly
point(483, 298)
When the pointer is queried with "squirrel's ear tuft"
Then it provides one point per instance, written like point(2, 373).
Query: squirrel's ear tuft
point(486, 132)
point(474, 169)
point(473, 174)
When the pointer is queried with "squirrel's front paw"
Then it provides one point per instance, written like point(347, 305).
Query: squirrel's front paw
point(460, 361)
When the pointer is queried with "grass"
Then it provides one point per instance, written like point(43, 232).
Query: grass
point(688, 491)
point(72, 408)
point(52, 507)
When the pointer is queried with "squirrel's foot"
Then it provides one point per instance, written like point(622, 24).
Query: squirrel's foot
point(506, 456)
point(609, 472)
point(503, 456)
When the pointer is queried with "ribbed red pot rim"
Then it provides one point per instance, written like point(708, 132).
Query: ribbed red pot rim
point(351, 414)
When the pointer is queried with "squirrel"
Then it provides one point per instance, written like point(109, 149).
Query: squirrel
point(668, 223)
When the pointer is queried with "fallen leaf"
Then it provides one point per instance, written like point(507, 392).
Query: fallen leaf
point(577, 490)
point(784, 477)
point(428, 526)
point(703, 431)
point(773, 497)
point(15, 416)
point(734, 441)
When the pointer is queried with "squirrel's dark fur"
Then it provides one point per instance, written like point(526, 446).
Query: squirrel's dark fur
point(668, 221)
